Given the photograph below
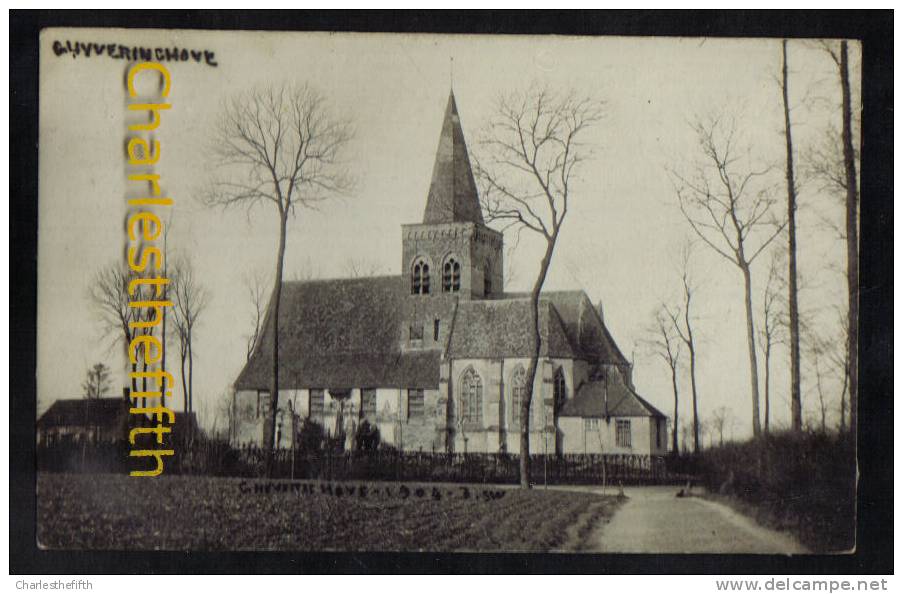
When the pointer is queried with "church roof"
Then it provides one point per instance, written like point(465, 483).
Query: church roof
point(589, 401)
point(582, 325)
point(343, 333)
point(350, 333)
point(501, 328)
point(453, 193)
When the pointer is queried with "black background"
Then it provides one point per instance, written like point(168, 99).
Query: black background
point(874, 553)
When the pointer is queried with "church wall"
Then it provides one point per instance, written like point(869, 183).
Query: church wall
point(498, 431)
point(602, 436)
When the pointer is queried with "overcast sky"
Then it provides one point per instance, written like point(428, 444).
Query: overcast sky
point(618, 243)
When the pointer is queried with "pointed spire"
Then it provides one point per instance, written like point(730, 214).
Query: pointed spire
point(453, 193)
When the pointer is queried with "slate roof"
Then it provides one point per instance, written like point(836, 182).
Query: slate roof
point(453, 193)
point(622, 402)
point(343, 333)
point(107, 413)
point(501, 328)
point(350, 333)
point(585, 330)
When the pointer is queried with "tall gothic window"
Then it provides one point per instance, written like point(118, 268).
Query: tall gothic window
point(420, 278)
point(559, 389)
point(487, 280)
point(518, 393)
point(471, 398)
point(451, 276)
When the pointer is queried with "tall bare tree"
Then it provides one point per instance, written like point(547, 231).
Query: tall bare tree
point(190, 299)
point(728, 203)
point(845, 177)
point(531, 152)
point(109, 294)
point(771, 334)
point(681, 319)
point(796, 411)
point(283, 146)
point(664, 344)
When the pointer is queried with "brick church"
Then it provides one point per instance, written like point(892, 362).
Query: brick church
point(436, 357)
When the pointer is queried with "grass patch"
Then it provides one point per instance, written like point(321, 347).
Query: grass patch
point(208, 513)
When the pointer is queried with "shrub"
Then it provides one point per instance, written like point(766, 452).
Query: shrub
point(311, 437)
point(805, 482)
point(367, 437)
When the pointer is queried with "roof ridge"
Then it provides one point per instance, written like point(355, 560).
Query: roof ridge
point(299, 282)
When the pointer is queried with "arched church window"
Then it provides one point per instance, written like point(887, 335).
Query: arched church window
point(451, 276)
point(518, 393)
point(420, 278)
point(471, 398)
point(559, 389)
point(487, 279)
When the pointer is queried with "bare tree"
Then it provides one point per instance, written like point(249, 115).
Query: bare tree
point(97, 382)
point(225, 410)
point(796, 418)
point(531, 153)
point(681, 320)
point(190, 298)
point(665, 345)
point(842, 175)
point(720, 420)
point(362, 268)
point(686, 430)
point(840, 360)
point(279, 145)
point(771, 334)
point(729, 204)
point(109, 294)
point(256, 285)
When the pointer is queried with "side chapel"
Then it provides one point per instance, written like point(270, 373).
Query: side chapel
point(437, 357)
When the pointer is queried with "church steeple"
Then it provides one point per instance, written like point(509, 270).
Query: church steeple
point(453, 193)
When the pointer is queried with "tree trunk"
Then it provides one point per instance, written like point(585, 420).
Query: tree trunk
point(751, 340)
point(852, 203)
point(534, 363)
point(190, 385)
point(692, 348)
point(796, 418)
point(674, 430)
point(767, 386)
point(163, 349)
point(843, 402)
point(274, 384)
point(186, 404)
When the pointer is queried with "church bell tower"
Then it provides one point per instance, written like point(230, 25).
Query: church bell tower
point(452, 253)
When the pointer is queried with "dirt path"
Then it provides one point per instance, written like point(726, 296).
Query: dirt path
point(653, 520)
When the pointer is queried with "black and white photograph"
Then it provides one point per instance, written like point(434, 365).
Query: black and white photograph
point(314, 292)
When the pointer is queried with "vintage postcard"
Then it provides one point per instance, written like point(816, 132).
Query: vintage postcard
point(412, 292)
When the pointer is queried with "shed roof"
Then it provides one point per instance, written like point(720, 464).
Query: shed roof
point(589, 401)
point(85, 412)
